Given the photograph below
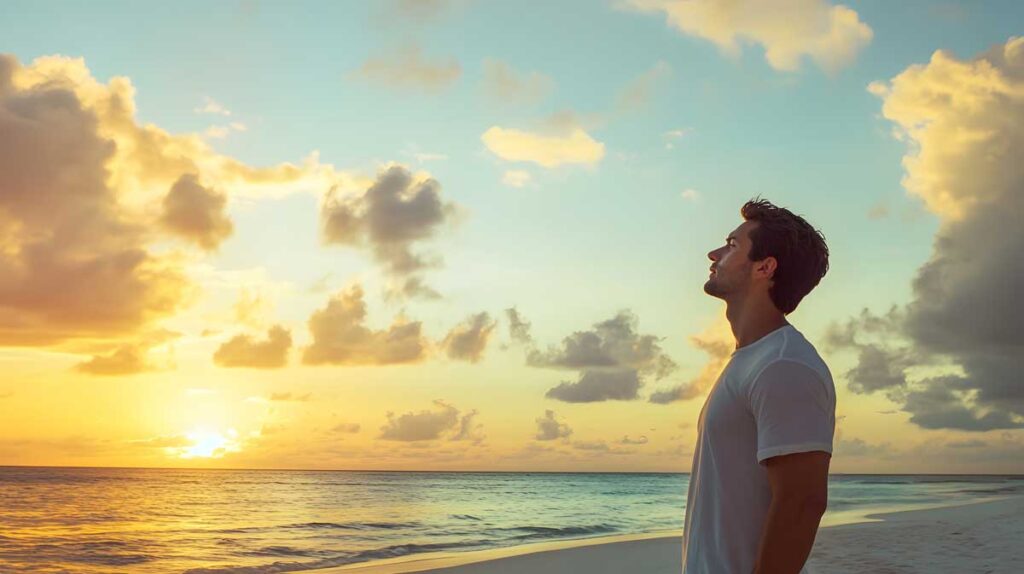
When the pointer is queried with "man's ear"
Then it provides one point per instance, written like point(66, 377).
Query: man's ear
point(766, 267)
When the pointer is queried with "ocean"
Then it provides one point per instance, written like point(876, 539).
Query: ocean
point(103, 520)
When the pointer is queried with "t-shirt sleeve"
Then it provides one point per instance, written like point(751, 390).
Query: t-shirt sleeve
point(793, 410)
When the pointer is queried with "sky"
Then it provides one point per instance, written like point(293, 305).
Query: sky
point(468, 235)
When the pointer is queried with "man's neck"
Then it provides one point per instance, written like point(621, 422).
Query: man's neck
point(752, 319)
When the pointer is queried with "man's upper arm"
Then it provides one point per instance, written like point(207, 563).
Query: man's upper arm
point(793, 409)
point(802, 476)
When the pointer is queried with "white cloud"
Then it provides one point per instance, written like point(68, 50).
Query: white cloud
point(211, 106)
point(516, 178)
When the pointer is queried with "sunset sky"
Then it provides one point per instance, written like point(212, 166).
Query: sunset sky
point(468, 235)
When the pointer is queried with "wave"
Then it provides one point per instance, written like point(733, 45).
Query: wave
point(339, 560)
point(533, 532)
point(324, 525)
point(398, 550)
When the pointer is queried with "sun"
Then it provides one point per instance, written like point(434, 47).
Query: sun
point(210, 444)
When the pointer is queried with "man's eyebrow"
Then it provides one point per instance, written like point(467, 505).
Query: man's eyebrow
point(732, 237)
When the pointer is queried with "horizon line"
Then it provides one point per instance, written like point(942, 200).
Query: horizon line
point(4, 466)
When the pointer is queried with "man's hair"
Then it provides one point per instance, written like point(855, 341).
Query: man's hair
point(798, 248)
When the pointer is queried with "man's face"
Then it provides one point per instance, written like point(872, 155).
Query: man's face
point(732, 267)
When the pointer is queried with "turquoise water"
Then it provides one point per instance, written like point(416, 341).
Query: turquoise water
point(250, 521)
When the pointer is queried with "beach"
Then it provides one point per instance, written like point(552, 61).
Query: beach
point(980, 537)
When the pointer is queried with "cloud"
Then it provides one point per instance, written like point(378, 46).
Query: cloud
point(627, 440)
point(345, 428)
point(468, 430)
point(596, 445)
point(196, 213)
point(82, 252)
point(612, 344)
point(503, 84)
point(572, 145)
point(341, 338)
point(290, 397)
point(468, 340)
point(430, 425)
point(599, 446)
point(856, 447)
point(690, 195)
point(788, 31)
point(406, 68)
point(244, 351)
point(718, 342)
point(963, 122)
point(672, 136)
point(418, 11)
point(128, 358)
point(388, 218)
point(637, 94)
point(221, 131)
point(549, 428)
point(211, 106)
point(594, 386)
point(165, 442)
point(251, 307)
point(518, 327)
point(611, 359)
point(516, 178)
point(967, 444)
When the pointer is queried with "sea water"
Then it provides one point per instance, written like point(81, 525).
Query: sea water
point(102, 520)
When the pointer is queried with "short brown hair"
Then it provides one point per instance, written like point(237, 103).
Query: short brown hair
point(798, 248)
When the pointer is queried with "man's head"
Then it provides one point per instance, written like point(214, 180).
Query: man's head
point(773, 252)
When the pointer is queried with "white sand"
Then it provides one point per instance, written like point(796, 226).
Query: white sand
point(978, 538)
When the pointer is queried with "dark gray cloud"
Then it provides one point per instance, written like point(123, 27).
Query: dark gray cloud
point(612, 344)
point(389, 218)
point(469, 430)
point(468, 340)
point(518, 327)
point(549, 428)
point(433, 424)
point(641, 440)
point(612, 360)
point(594, 386)
point(965, 309)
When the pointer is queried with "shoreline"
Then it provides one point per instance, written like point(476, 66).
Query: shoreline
point(660, 552)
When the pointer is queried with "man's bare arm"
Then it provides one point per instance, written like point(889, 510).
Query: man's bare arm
point(799, 485)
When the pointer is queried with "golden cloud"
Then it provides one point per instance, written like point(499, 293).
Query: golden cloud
point(789, 30)
point(86, 193)
point(575, 146)
point(341, 338)
point(244, 351)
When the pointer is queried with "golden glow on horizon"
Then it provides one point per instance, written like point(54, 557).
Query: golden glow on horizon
point(209, 444)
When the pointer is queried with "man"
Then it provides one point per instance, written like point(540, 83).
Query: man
point(759, 481)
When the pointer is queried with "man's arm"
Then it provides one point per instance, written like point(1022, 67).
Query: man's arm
point(799, 484)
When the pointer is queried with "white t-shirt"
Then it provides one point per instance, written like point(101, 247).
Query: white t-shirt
point(774, 397)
